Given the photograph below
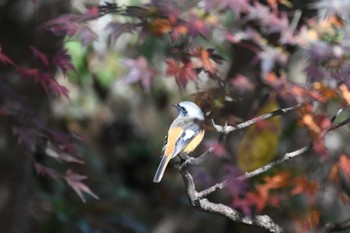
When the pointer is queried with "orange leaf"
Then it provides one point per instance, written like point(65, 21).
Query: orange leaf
point(308, 121)
point(316, 123)
point(279, 180)
point(334, 173)
point(203, 60)
point(259, 200)
point(263, 197)
point(303, 185)
point(313, 219)
point(345, 93)
point(182, 72)
point(344, 165)
point(325, 93)
point(160, 26)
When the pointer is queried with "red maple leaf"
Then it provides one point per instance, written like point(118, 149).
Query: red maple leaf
point(204, 61)
point(86, 35)
point(183, 72)
point(27, 72)
point(74, 181)
point(63, 61)
point(58, 89)
point(5, 59)
point(43, 170)
point(63, 25)
point(40, 55)
point(54, 152)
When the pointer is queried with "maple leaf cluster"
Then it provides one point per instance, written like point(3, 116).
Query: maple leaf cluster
point(31, 130)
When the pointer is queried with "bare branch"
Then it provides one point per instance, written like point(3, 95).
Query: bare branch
point(248, 175)
point(286, 156)
point(191, 161)
point(340, 124)
point(227, 128)
point(196, 199)
point(336, 227)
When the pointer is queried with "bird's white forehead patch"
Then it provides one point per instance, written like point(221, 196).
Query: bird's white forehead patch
point(188, 134)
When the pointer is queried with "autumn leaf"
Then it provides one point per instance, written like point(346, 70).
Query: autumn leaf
point(318, 124)
point(58, 89)
point(312, 219)
point(262, 197)
point(345, 93)
point(324, 93)
point(279, 180)
point(139, 71)
point(5, 59)
point(52, 151)
point(258, 145)
point(334, 173)
point(303, 186)
point(201, 58)
point(74, 181)
point(344, 166)
point(116, 29)
point(43, 170)
point(40, 55)
point(63, 61)
point(160, 26)
point(86, 35)
point(63, 25)
point(182, 72)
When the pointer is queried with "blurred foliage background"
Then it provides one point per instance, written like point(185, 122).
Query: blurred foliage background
point(125, 123)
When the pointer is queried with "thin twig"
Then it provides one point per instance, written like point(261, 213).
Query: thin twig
point(228, 128)
point(256, 172)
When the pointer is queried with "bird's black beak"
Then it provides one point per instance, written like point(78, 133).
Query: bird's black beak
point(176, 106)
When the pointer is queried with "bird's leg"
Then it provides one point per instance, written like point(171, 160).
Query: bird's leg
point(186, 157)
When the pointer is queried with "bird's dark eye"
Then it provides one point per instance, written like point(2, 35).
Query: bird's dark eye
point(183, 110)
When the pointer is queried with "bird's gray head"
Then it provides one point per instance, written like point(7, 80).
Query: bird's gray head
point(189, 109)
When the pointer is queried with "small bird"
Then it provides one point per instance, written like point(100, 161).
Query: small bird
point(184, 135)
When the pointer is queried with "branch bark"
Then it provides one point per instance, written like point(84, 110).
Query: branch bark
point(196, 199)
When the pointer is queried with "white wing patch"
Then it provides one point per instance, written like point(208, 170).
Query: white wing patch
point(188, 134)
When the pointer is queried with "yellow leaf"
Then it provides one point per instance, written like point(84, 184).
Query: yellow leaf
point(259, 144)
